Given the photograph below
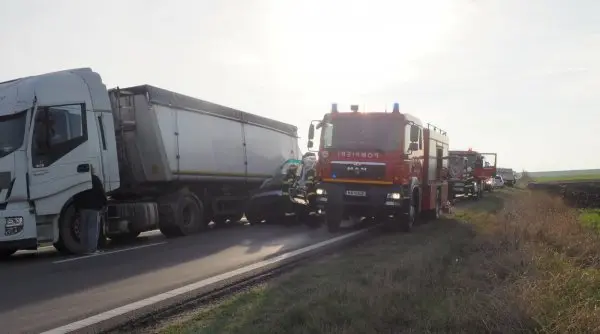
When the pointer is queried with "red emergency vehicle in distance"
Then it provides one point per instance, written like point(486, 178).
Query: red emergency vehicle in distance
point(468, 172)
point(378, 164)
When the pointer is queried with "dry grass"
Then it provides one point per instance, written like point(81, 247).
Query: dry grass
point(515, 262)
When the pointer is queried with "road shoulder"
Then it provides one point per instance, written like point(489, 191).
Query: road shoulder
point(515, 261)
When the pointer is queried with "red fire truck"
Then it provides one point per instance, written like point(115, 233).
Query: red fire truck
point(468, 172)
point(387, 166)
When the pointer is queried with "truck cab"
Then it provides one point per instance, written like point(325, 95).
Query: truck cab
point(52, 142)
point(372, 165)
point(470, 172)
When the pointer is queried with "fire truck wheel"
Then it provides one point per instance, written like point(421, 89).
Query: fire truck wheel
point(437, 211)
point(334, 220)
point(407, 220)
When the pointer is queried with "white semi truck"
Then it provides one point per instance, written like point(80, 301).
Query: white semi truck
point(166, 160)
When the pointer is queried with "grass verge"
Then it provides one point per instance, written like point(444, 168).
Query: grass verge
point(590, 218)
point(567, 178)
point(513, 262)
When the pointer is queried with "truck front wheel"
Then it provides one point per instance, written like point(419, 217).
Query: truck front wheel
point(407, 220)
point(69, 232)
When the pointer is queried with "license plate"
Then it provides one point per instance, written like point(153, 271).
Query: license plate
point(356, 193)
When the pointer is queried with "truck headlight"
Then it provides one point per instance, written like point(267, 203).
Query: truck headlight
point(394, 196)
point(321, 192)
point(14, 222)
point(13, 225)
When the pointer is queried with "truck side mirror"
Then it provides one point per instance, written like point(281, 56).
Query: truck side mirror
point(311, 132)
point(414, 133)
point(413, 147)
point(309, 144)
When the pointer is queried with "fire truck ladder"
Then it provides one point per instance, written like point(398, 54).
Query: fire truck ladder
point(436, 129)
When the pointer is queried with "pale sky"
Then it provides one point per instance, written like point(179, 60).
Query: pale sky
point(519, 78)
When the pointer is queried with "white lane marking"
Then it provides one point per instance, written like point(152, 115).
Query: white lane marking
point(191, 287)
point(109, 252)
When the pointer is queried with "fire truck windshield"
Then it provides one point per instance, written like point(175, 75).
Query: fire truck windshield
point(471, 157)
point(362, 133)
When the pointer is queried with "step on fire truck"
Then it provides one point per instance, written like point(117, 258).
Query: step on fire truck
point(469, 171)
point(380, 165)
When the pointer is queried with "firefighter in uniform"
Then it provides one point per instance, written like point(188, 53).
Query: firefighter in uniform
point(309, 162)
point(288, 182)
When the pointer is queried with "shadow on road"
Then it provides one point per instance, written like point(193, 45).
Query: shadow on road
point(36, 278)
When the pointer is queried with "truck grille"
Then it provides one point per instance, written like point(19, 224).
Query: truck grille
point(360, 171)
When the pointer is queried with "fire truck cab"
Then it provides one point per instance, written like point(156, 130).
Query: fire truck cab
point(468, 172)
point(380, 165)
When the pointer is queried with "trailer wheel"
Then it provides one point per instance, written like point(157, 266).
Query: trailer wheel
point(6, 253)
point(189, 215)
point(334, 219)
point(181, 214)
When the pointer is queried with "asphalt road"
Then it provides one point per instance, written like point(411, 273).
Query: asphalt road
point(41, 290)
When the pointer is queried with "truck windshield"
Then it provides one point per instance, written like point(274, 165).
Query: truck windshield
point(470, 158)
point(12, 132)
point(362, 133)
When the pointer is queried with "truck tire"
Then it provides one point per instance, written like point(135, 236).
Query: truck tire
point(69, 224)
point(189, 215)
point(436, 213)
point(182, 215)
point(407, 220)
point(6, 253)
point(334, 219)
